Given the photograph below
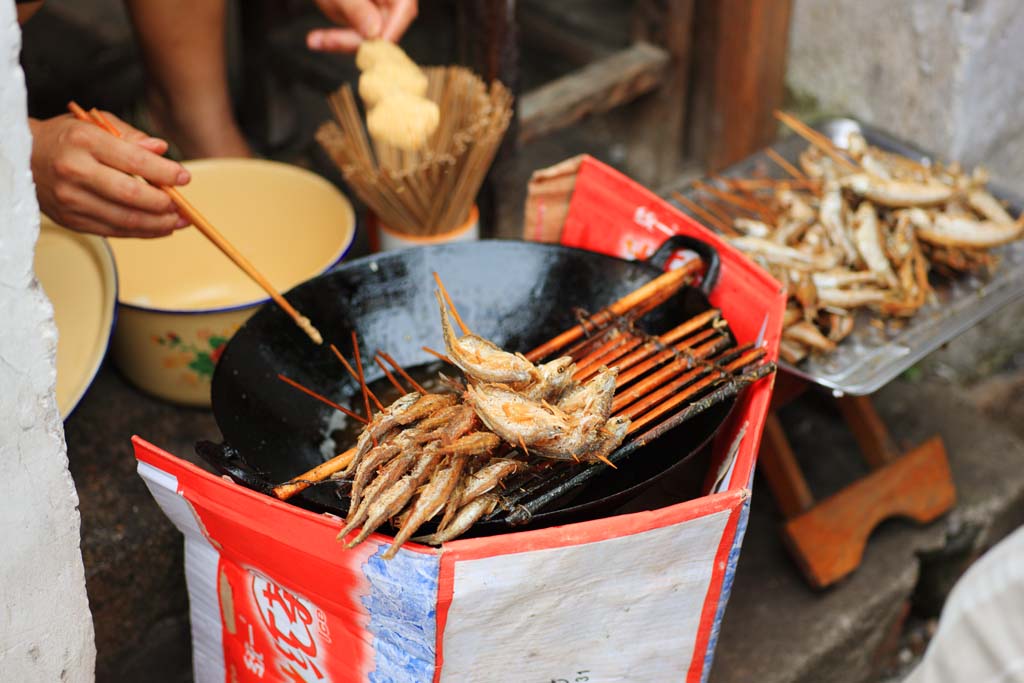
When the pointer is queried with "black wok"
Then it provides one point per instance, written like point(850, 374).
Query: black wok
point(518, 294)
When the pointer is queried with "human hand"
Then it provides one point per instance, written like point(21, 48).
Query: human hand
point(386, 19)
point(84, 181)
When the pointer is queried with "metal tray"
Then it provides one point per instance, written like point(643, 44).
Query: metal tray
point(870, 358)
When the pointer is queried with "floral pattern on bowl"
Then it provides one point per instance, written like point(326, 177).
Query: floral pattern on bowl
point(198, 359)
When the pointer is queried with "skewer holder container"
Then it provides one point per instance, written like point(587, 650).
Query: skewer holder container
point(633, 597)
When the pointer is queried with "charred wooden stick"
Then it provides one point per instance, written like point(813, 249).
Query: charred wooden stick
point(746, 359)
point(658, 393)
point(678, 352)
point(731, 387)
point(522, 512)
point(322, 399)
point(661, 287)
point(590, 366)
point(654, 354)
point(676, 364)
point(401, 371)
point(670, 337)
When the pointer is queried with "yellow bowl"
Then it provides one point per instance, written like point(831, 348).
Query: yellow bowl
point(77, 274)
point(181, 299)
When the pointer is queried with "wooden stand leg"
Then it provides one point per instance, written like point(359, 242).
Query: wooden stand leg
point(780, 468)
point(827, 538)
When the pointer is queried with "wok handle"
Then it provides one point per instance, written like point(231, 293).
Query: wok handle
point(708, 254)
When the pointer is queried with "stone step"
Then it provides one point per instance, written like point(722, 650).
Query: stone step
point(777, 629)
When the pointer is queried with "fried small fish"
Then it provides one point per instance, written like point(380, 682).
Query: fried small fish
point(482, 360)
point(515, 418)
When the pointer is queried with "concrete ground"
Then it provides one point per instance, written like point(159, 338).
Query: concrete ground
point(867, 628)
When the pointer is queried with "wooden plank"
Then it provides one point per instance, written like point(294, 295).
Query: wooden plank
point(657, 138)
point(595, 88)
point(779, 466)
point(828, 541)
point(739, 70)
point(871, 433)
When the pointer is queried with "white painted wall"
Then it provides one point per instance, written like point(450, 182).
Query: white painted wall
point(947, 74)
point(45, 627)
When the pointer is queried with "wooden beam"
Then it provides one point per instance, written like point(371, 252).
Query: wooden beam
point(739, 69)
point(593, 89)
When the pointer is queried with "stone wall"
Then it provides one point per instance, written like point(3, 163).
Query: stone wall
point(946, 74)
point(46, 630)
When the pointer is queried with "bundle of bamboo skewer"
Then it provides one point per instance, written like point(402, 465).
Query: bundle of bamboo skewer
point(433, 189)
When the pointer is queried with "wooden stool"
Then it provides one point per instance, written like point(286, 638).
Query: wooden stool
point(827, 537)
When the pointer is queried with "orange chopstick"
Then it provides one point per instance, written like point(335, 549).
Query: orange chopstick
point(204, 226)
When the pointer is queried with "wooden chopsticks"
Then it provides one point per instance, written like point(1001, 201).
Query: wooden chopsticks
point(192, 214)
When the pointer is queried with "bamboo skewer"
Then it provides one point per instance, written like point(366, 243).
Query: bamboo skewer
point(362, 381)
point(387, 373)
point(701, 212)
point(323, 399)
point(210, 232)
point(401, 371)
point(431, 189)
point(355, 375)
point(785, 165)
point(749, 205)
point(817, 139)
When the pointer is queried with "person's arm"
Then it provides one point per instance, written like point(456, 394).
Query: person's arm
point(386, 19)
point(27, 9)
point(83, 178)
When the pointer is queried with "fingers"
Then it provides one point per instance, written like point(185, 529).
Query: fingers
point(397, 19)
point(86, 211)
point(334, 40)
point(132, 134)
point(136, 159)
point(90, 225)
point(362, 15)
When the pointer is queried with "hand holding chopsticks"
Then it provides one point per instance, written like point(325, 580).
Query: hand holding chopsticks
point(192, 214)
